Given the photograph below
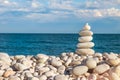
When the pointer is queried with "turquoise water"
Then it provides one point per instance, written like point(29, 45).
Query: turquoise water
point(54, 44)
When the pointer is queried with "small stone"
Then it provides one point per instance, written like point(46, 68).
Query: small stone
point(69, 60)
point(114, 62)
point(20, 67)
point(86, 27)
point(85, 39)
point(1, 78)
point(91, 63)
point(61, 77)
point(61, 69)
point(56, 63)
point(28, 74)
point(92, 77)
point(43, 77)
point(102, 68)
point(14, 78)
point(49, 73)
point(5, 58)
point(1, 72)
point(85, 51)
point(42, 57)
point(86, 33)
point(33, 78)
point(85, 45)
point(114, 76)
point(79, 70)
point(19, 56)
point(8, 73)
point(117, 70)
point(44, 69)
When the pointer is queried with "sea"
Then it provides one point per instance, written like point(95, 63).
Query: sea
point(54, 44)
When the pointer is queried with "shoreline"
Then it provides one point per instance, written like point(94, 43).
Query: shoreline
point(67, 66)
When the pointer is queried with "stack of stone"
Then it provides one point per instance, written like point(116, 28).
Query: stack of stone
point(84, 46)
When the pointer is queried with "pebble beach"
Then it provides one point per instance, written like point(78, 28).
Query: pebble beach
point(83, 64)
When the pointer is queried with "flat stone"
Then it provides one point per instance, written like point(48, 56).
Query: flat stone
point(85, 51)
point(102, 68)
point(85, 45)
point(86, 33)
point(85, 39)
point(79, 70)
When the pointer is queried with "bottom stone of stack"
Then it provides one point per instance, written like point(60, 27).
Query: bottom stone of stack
point(85, 51)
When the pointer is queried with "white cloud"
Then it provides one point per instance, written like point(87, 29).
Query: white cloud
point(52, 10)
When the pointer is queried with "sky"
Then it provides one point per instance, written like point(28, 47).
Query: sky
point(59, 16)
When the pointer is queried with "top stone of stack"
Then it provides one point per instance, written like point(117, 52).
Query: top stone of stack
point(84, 46)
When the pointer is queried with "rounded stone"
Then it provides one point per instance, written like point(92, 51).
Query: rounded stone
point(43, 77)
point(86, 27)
point(85, 45)
point(20, 67)
point(114, 62)
point(61, 77)
point(85, 39)
point(85, 51)
point(56, 63)
point(34, 78)
point(102, 68)
point(79, 70)
point(114, 76)
point(86, 33)
point(91, 63)
point(61, 69)
point(8, 73)
point(117, 70)
point(49, 73)
point(19, 56)
point(14, 78)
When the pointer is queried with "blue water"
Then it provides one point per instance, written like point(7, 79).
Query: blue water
point(54, 44)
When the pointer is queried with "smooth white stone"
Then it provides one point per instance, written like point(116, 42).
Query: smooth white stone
point(114, 62)
point(14, 78)
point(43, 77)
point(61, 77)
point(56, 63)
point(86, 33)
point(102, 68)
point(69, 60)
point(86, 27)
point(61, 69)
point(19, 56)
point(49, 73)
point(79, 70)
point(33, 78)
point(117, 70)
point(91, 63)
point(20, 67)
point(85, 51)
point(85, 39)
point(85, 45)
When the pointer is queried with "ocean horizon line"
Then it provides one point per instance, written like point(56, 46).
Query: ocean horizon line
point(56, 33)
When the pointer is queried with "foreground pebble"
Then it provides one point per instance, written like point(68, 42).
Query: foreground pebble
point(67, 66)
point(79, 70)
